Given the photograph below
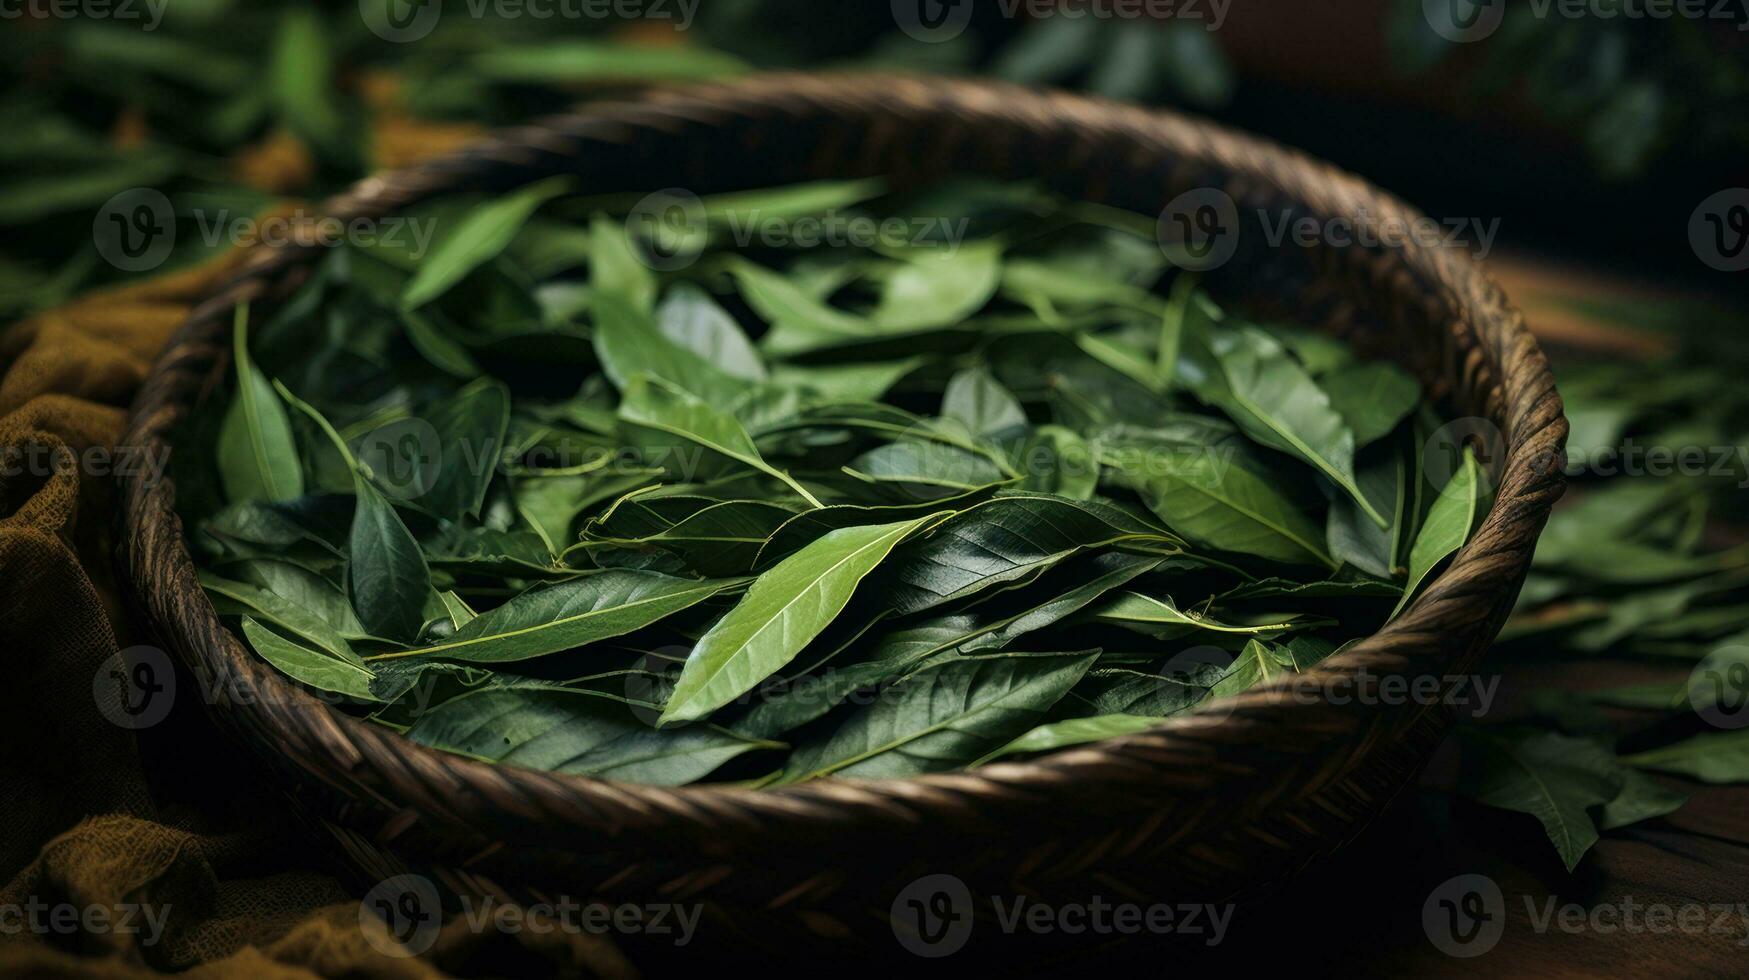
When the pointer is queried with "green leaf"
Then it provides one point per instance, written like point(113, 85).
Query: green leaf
point(1555, 778)
point(1161, 616)
point(1718, 757)
point(744, 208)
point(552, 618)
point(615, 269)
point(1006, 539)
point(386, 574)
point(1209, 495)
point(628, 344)
point(659, 407)
point(559, 62)
point(721, 539)
point(302, 604)
point(938, 287)
point(1126, 67)
point(690, 318)
point(1072, 731)
point(799, 323)
point(300, 76)
point(1257, 663)
point(941, 718)
point(1642, 797)
point(975, 399)
point(443, 351)
point(470, 427)
point(1447, 527)
point(1246, 373)
point(991, 628)
point(925, 466)
point(1056, 460)
point(1384, 474)
point(258, 455)
point(1372, 397)
point(460, 613)
point(478, 238)
point(306, 666)
point(786, 607)
point(576, 732)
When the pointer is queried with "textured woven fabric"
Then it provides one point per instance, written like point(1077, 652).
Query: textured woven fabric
point(127, 853)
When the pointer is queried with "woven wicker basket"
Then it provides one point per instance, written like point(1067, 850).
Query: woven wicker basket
point(1208, 807)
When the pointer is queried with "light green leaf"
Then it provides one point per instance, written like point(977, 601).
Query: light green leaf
point(628, 344)
point(476, 239)
point(564, 616)
point(690, 318)
point(787, 606)
point(659, 407)
point(1447, 527)
point(258, 455)
point(615, 267)
point(1246, 373)
point(1717, 757)
point(1162, 615)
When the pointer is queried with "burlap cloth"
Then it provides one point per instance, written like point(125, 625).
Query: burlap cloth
point(97, 822)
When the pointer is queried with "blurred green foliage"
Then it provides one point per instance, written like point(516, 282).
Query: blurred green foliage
point(166, 97)
point(1634, 88)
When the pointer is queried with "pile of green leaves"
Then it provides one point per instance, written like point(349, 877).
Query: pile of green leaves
point(1644, 566)
point(778, 513)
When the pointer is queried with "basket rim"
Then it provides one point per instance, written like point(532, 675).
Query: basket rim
point(1490, 563)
